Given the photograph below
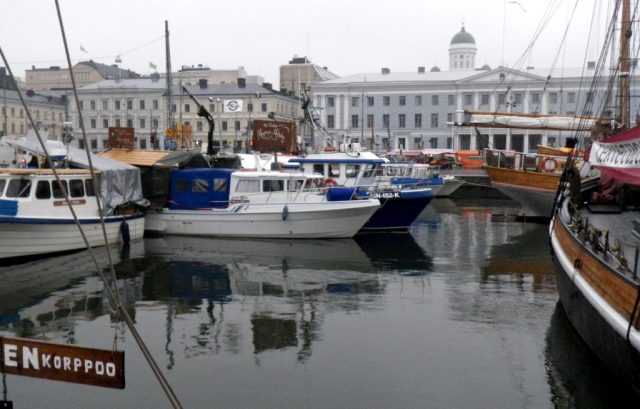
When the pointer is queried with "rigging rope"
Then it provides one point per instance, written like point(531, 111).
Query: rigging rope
point(113, 294)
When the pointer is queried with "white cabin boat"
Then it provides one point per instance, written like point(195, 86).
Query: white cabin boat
point(36, 219)
point(201, 204)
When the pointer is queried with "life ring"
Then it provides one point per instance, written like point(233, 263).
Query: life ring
point(329, 182)
point(549, 165)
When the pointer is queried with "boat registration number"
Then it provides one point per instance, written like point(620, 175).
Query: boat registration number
point(385, 195)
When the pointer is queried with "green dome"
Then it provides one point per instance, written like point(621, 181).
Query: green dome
point(463, 38)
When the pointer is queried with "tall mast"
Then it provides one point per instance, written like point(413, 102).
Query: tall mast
point(170, 122)
point(625, 39)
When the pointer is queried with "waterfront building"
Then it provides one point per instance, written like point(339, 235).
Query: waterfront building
point(141, 104)
point(416, 110)
point(86, 72)
point(48, 112)
point(191, 75)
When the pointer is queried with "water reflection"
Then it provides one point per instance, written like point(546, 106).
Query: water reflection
point(577, 378)
point(45, 297)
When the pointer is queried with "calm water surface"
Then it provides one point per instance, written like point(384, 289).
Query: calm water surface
point(460, 313)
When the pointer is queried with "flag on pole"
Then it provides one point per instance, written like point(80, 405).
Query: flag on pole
point(152, 66)
point(82, 48)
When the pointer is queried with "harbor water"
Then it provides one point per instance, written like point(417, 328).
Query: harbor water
point(461, 312)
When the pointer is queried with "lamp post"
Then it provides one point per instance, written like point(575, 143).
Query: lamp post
point(219, 103)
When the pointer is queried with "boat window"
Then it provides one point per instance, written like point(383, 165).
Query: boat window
point(370, 170)
point(200, 185)
point(318, 168)
point(19, 188)
point(334, 170)
point(219, 184)
point(312, 184)
point(294, 185)
point(245, 186)
point(43, 189)
point(352, 171)
point(3, 182)
point(272, 185)
point(76, 188)
point(88, 187)
point(58, 193)
point(182, 185)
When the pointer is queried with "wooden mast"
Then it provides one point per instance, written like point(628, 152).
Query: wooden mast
point(625, 39)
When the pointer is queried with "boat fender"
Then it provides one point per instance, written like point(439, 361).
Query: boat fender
point(549, 164)
point(329, 182)
point(285, 212)
point(124, 231)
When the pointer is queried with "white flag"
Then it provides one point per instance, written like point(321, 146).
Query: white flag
point(232, 105)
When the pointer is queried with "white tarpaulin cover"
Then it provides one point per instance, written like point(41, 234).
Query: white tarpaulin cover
point(119, 182)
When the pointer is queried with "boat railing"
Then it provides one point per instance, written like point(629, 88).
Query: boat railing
point(524, 161)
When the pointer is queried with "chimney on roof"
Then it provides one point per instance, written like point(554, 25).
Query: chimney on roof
point(155, 77)
point(268, 86)
point(421, 70)
point(242, 82)
point(386, 70)
point(591, 65)
point(202, 82)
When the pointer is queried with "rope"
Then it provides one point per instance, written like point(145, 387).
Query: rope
point(113, 295)
point(4, 374)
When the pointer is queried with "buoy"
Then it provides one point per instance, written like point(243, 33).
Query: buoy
point(285, 212)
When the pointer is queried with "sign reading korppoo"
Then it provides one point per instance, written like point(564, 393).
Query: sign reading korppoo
point(67, 363)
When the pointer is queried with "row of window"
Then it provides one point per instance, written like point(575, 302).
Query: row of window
point(37, 114)
point(386, 121)
point(516, 97)
point(21, 188)
point(118, 105)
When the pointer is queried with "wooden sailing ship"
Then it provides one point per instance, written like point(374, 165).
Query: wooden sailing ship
point(595, 237)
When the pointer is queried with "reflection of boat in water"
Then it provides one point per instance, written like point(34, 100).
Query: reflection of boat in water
point(46, 292)
point(397, 252)
point(526, 255)
point(255, 267)
point(576, 377)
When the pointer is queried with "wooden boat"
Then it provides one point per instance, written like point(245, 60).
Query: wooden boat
point(595, 237)
point(200, 205)
point(35, 218)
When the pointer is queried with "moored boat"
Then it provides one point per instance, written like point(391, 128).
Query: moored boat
point(400, 206)
point(35, 218)
point(201, 204)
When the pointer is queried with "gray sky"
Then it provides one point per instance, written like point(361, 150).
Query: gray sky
point(347, 36)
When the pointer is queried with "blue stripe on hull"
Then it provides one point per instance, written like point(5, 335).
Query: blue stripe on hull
point(43, 220)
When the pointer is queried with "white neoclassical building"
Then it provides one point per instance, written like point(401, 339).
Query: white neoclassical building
point(416, 110)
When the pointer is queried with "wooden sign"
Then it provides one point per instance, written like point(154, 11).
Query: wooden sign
point(270, 136)
point(122, 138)
point(67, 363)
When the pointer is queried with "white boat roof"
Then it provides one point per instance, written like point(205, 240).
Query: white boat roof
point(340, 157)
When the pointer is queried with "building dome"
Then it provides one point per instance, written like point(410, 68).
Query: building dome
point(435, 68)
point(485, 67)
point(462, 37)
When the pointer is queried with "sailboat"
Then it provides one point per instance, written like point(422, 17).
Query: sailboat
point(530, 179)
point(595, 238)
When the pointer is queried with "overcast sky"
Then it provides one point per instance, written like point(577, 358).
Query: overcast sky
point(347, 36)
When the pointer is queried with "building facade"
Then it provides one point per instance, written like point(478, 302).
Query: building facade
point(385, 111)
point(86, 72)
point(48, 112)
point(141, 104)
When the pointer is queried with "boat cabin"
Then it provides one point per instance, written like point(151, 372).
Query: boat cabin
point(347, 169)
point(36, 192)
point(218, 188)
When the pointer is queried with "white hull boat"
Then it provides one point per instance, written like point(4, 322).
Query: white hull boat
point(267, 220)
